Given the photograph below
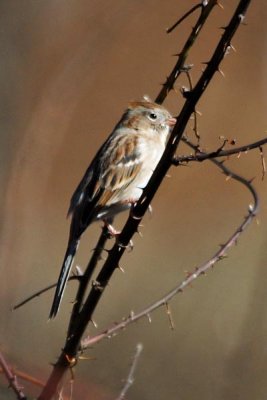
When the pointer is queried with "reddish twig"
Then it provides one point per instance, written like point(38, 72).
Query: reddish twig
point(12, 379)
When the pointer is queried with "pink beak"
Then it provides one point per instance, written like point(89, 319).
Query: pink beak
point(171, 121)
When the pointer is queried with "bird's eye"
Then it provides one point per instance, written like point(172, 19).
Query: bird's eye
point(153, 116)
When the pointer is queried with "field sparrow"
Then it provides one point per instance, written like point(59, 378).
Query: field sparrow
point(117, 175)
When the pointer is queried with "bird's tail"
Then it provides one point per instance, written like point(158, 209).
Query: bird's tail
point(63, 277)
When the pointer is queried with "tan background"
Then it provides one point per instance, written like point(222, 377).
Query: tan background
point(68, 69)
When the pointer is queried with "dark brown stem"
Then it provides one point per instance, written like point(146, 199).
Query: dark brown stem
point(68, 356)
point(202, 156)
point(180, 65)
point(42, 291)
point(87, 277)
point(138, 211)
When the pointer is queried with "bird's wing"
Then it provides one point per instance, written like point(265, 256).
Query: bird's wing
point(120, 165)
point(114, 167)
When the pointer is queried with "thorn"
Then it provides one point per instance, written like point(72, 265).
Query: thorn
point(168, 310)
point(227, 51)
point(121, 269)
point(130, 246)
point(220, 5)
point(97, 286)
point(233, 48)
point(139, 233)
point(185, 92)
point(78, 271)
point(221, 72)
point(250, 208)
point(149, 318)
point(199, 113)
point(228, 177)
point(242, 18)
point(86, 358)
point(71, 360)
point(186, 67)
point(94, 323)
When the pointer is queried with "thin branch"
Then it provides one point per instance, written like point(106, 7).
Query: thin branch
point(141, 206)
point(202, 156)
point(206, 9)
point(72, 345)
point(200, 270)
point(12, 379)
point(186, 15)
point(195, 127)
point(26, 377)
point(40, 292)
point(88, 275)
point(130, 378)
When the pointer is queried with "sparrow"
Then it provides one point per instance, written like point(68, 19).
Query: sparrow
point(117, 176)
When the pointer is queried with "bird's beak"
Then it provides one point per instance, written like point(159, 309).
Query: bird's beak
point(171, 121)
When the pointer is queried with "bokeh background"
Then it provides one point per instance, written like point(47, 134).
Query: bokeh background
point(67, 71)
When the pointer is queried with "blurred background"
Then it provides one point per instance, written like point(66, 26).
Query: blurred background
point(67, 72)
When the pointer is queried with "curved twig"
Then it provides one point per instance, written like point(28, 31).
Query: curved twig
point(186, 15)
point(42, 291)
point(200, 270)
point(202, 156)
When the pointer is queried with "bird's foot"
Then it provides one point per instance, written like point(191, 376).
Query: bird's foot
point(111, 230)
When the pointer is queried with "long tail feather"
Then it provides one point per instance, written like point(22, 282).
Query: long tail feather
point(63, 277)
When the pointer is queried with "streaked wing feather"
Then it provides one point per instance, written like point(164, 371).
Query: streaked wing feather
point(115, 166)
point(120, 167)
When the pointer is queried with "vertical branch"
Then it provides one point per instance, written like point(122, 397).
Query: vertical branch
point(206, 8)
point(68, 357)
point(85, 279)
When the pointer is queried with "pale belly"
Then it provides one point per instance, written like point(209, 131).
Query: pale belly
point(133, 192)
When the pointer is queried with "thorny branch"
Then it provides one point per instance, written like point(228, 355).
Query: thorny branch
point(78, 325)
point(202, 156)
point(131, 226)
point(42, 291)
point(206, 8)
point(12, 379)
point(199, 270)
